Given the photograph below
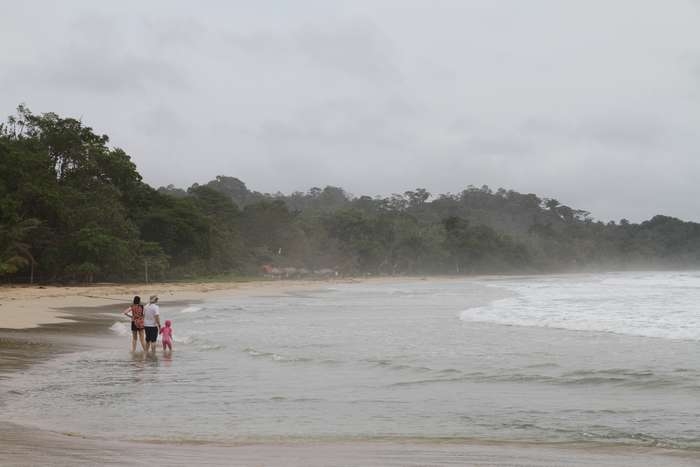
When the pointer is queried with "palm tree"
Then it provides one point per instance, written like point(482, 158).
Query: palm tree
point(15, 252)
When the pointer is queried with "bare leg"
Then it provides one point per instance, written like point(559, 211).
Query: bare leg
point(133, 341)
point(142, 338)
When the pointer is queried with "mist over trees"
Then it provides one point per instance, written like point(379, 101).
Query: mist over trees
point(72, 208)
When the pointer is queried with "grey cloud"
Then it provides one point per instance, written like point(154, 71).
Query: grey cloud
point(94, 29)
point(624, 131)
point(89, 70)
point(500, 145)
point(182, 32)
point(381, 97)
point(353, 48)
point(614, 130)
point(694, 69)
point(93, 57)
point(161, 121)
point(358, 134)
point(348, 123)
point(267, 46)
point(356, 48)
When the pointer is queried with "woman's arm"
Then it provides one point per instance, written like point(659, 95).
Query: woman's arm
point(126, 312)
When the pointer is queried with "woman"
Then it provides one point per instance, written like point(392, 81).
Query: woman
point(135, 312)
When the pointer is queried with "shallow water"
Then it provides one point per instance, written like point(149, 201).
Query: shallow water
point(601, 357)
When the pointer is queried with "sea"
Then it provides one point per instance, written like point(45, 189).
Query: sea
point(578, 358)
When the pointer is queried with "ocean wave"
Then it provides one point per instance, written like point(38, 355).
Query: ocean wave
point(640, 438)
point(198, 342)
point(647, 304)
point(632, 378)
point(403, 293)
point(212, 346)
point(626, 378)
point(191, 309)
point(273, 356)
point(417, 369)
point(543, 365)
point(390, 364)
point(121, 328)
point(557, 315)
point(600, 434)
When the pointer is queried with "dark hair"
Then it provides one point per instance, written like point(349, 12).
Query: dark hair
point(137, 300)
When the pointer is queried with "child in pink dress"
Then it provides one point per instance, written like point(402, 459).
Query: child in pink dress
point(167, 333)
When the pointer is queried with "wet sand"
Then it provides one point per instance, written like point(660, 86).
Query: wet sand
point(20, 348)
point(25, 446)
point(86, 327)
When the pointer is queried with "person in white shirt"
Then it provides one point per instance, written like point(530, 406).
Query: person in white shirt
point(151, 322)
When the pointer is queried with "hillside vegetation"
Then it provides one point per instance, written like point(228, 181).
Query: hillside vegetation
point(73, 208)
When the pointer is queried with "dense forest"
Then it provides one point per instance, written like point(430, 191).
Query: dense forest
point(72, 208)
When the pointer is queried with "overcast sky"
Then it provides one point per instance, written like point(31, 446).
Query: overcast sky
point(594, 103)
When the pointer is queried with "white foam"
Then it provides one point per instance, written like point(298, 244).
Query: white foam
point(191, 309)
point(642, 304)
point(121, 328)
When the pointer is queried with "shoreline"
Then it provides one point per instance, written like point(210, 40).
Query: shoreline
point(28, 307)
point(31, 306)
point(80, 320)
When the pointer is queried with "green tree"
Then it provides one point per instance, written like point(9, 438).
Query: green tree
point(16, 251)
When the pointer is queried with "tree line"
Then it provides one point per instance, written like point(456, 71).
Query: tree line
point(73, 208)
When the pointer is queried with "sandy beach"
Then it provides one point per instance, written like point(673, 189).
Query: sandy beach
point(23, 307)
point(37, 322)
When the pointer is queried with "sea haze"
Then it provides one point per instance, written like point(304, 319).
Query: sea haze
point(574, 358)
